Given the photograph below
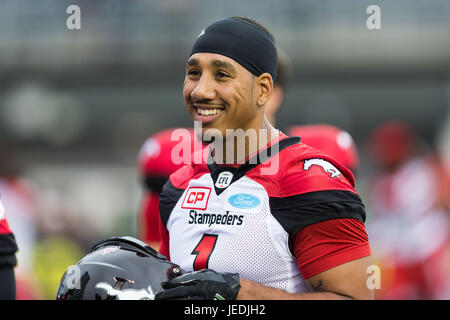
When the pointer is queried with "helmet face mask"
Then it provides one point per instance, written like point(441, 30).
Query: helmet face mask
point(119, 268)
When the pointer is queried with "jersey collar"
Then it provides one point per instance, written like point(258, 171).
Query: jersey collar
point(224, 175)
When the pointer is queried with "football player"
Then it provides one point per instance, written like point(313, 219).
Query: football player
point(281, 220)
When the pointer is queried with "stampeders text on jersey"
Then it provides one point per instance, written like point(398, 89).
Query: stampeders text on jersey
point(212, 218)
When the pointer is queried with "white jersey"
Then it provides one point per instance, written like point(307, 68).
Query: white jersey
point(234, 219)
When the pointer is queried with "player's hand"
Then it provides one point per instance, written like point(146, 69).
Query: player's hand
point(201, 285)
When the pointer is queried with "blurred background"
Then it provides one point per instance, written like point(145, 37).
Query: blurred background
point(77, 105)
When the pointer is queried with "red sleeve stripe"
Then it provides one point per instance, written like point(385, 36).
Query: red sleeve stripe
point(181, 178)
point(324, 245)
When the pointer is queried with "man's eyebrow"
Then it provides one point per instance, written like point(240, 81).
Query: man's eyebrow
point(222, 64)
point(192, 62)
point(214, 63)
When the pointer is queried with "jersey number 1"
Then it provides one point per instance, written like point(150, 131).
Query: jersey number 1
point(203, 251)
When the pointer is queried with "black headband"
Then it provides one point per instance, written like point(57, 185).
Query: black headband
point(247, 44)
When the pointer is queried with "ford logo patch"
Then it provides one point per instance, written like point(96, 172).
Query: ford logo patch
point(244, 201)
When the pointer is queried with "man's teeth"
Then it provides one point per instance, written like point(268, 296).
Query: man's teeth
point(208, 112)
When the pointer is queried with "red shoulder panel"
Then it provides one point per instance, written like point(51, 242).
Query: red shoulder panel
point(180, 178)
point(301, 169)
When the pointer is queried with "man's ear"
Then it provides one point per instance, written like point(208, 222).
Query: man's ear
point(265, 85)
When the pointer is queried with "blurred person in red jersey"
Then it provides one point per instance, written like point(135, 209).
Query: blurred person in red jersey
point(8, 260)
point(408, 226)
point(332, 140)
point(160, 156)
point(19, 201)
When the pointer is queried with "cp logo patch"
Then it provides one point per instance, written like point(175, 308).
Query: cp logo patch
point(196, 198)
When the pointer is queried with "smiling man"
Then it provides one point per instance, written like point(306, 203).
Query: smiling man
point(296, 233)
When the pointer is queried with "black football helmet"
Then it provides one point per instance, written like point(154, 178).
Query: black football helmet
point(118, 268)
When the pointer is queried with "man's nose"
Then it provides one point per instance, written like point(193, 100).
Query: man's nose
point(204, 89)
